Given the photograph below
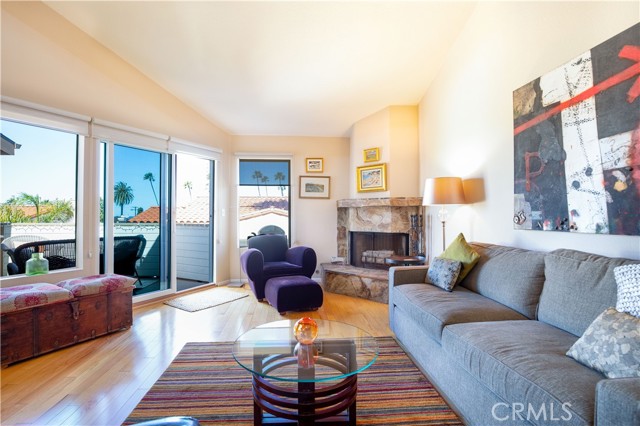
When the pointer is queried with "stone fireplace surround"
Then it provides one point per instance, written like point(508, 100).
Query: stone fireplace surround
point(376, 215)
point(391, 215)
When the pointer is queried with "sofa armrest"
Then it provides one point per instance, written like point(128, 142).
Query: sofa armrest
point(618, 402)
point(407, 275)
point(399, 275)
point(303, 256)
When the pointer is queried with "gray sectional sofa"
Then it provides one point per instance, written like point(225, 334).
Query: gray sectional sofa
point(495, 346)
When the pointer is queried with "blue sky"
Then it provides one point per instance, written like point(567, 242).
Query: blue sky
point(130, 166)
point(267, 168)
point(44, 165)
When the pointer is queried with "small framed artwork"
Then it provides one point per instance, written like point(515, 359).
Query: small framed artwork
point(314, 165)
point(314, 186)
point(371, 154)
point(372, 178)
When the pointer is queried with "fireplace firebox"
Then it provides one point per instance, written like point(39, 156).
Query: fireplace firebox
point(370, 249)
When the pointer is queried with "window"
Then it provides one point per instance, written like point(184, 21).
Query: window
point(263, 198)
point(38, 195)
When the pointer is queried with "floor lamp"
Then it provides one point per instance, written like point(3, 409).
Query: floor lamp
point(442, 191)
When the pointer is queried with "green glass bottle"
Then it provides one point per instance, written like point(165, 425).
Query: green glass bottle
point(37, 265)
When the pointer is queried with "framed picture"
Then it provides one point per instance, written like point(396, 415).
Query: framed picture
point(314, 165)
point(372, 178)
point(371, 154)
point(314, 186)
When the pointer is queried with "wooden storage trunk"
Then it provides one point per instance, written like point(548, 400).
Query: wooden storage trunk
point(33, 331)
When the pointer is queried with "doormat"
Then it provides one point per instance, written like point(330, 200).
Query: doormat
point(205, 299)
point(205, 382)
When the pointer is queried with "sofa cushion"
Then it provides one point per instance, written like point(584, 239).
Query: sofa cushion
point(461, 251)
point(628, 284)
point(524, 362)
point(433, 308)
point(610, 345)
point(31, 295)
point(443, 273)
point(511, 276)
point(578, 287)
point(96, 284)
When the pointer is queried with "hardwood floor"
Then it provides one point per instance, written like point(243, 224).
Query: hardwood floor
point(101, 381)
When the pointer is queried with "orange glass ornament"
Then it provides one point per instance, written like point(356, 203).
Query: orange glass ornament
point(305, 330)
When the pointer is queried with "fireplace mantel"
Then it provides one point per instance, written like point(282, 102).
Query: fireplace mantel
point(380, 202)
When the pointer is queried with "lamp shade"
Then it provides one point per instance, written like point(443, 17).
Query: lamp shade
point(443, 190)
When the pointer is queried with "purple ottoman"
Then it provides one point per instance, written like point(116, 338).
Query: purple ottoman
point(293, 293)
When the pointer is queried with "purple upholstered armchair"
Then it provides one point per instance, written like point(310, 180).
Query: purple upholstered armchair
point(269, 256)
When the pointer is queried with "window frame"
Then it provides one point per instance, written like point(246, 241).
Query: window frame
point(54, 119)
point(261, 157)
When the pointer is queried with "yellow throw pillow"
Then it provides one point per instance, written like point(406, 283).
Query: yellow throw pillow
point(461, 251)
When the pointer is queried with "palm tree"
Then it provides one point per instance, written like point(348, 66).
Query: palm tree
point(33, 200)
point(280, 177)
point(149, 176)
point(123, 194)
point(11, 213)
point(257, 175)
point(188, 185)
point(59, 211)
point(265, 179)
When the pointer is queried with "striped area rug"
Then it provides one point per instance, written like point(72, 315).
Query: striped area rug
point(205, 382)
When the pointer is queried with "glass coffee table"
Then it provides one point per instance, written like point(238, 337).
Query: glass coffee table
point(302, 384)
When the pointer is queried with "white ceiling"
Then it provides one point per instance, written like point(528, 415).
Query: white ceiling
point(279, 68)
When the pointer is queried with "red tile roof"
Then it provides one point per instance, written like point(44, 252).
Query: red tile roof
point(249, 206)
point(151, 215)
point(197, 211)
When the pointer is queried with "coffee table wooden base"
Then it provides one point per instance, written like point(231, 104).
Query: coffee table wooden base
point(310, 404)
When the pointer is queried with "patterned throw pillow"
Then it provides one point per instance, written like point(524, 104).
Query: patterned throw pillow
point(628, 280)
point(461, 251)
point(444, 273)
point(610, 345)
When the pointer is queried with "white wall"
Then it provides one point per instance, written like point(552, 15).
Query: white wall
point(394, 131)
point(466, 119)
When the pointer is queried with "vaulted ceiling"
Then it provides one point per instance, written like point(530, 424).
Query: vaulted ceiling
point(279, 68)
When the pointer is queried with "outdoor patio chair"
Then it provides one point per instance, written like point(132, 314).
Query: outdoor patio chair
point(14, 241)
point(60, 254)
point(127, 250)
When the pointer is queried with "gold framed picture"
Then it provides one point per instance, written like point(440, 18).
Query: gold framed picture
point(372, 178)
point(371, 154)
point(315, 186)
point(314, 165)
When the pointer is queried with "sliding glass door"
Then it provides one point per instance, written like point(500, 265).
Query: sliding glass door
point(194, 221)
point(135, 208)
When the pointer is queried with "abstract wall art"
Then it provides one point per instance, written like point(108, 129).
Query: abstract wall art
point(577, 143)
